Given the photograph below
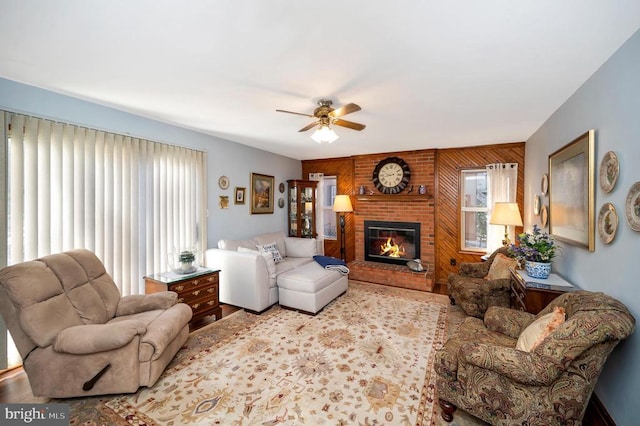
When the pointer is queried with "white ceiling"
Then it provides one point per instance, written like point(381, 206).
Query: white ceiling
point(427, 74)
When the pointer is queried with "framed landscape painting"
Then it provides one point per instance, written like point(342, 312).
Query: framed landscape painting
point(571, 192)
point(261, 193)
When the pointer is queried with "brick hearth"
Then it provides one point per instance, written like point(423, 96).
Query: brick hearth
point(404, 207)
point(392, 275)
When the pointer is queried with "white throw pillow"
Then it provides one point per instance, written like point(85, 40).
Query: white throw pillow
point(273, 248)
point(268, 258)
point(538, 330)
point(273, 237)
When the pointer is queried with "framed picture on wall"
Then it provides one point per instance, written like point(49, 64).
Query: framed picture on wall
point(240, 193)
point(262, 193)
point(571, 192)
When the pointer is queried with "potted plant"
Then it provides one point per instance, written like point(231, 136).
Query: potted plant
point(536, 249)
point(183, 261)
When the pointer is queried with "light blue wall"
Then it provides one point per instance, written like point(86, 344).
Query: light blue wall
point(224, 157)
point(608, 102)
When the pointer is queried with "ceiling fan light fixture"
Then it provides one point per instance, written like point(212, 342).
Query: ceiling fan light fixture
point(324, 134)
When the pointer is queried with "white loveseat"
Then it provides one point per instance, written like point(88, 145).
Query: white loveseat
point(254, 281)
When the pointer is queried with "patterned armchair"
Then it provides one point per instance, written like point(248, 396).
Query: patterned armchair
point(473, 293)
point(479, 370)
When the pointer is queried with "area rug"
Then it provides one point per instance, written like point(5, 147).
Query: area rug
point(366, 359)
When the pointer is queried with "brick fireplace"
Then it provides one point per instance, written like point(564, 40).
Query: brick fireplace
point(407, 206)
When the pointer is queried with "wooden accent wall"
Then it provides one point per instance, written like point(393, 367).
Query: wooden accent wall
point(343, 169)
point(449, 162)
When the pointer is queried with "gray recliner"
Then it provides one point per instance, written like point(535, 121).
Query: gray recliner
point(77, 336)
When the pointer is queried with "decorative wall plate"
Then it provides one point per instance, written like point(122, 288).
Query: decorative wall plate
point(632, 207)
point(609, 171)
point(281, 202)
point(223, 182)
point(544, 184)
point(281, 187)
point(607, 223)
point(536, 204)
point(544, 216)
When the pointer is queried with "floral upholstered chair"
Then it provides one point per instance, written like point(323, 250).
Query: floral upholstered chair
point(483, 284)
point(516, 368)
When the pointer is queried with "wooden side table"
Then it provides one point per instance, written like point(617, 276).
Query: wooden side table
point(534, 294)
point(198, 290)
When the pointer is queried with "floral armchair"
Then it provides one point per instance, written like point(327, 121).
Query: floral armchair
point(473, 293)
point(479, 370)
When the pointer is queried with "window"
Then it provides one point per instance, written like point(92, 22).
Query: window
point(473, 214)
point(329, 194)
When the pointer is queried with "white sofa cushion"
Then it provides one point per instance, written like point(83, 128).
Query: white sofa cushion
point(268, 258)
point(277, 237)
point(290, 263)
point(234, 244)
point(301, 247)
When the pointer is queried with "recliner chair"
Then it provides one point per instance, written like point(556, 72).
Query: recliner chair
point(77, 336)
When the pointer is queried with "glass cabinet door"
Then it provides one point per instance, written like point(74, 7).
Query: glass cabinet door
point(302, 208)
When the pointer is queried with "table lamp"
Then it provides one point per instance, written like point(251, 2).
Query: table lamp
point(506, 214)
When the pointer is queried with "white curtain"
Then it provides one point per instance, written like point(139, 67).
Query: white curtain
point(130, 201)
point(502, 180)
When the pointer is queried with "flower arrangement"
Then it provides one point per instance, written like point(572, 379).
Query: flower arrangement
point(537, 246)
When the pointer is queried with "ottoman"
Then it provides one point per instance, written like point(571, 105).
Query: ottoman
point(310, 287)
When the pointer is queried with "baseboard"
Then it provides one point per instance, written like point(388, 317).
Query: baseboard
point(597, 414)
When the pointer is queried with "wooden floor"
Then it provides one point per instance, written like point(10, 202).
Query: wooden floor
point(14, 386)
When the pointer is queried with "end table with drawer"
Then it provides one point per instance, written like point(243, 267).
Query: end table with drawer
point(198, 290)
point(533, 294)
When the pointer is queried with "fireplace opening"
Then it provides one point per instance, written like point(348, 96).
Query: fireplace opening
point(391, 242)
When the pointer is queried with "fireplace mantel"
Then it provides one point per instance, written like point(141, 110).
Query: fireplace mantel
point(396, 197)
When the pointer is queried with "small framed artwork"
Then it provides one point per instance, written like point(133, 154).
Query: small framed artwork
point(262, 189)
point(609, 171)
point(544, 184)
point(571, 192)
point(607, 223)
point(536, 204)
point(632, 207)
point(240, 194)
point(223, 201)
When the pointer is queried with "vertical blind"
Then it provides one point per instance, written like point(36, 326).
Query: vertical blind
point(130, 201)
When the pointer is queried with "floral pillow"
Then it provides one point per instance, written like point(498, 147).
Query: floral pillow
point(538, 330)
point(500, 267)
point(273, 248)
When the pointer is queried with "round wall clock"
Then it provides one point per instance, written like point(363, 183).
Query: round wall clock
point(391, 175)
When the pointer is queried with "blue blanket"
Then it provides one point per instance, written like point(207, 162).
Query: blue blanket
point(331, 263)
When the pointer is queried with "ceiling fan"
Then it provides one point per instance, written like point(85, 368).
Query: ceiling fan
point(327, 115)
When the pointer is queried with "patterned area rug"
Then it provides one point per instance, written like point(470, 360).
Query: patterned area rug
point(365, 360)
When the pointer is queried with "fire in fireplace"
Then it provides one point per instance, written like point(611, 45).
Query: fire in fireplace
point(391, 242)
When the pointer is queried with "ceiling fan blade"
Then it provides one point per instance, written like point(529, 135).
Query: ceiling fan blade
point(296, 113)
point(305, 128)
point(349, 124)
point(344, 110)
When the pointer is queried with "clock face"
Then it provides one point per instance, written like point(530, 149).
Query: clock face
point(391, 175)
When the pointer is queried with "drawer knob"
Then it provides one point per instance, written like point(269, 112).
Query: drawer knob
point(195, 292)
point(179, 287)
point(195, 306)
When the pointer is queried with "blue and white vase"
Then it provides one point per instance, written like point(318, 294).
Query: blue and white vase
point(537, 269)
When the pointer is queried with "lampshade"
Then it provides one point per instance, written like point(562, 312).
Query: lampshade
point(324, 134)
point(342, 203)
point(505, 214)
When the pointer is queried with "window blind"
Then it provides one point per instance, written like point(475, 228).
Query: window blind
point(131, 201)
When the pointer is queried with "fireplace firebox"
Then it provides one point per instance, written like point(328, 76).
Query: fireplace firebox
point(391, 242)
